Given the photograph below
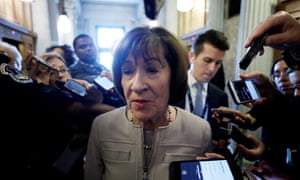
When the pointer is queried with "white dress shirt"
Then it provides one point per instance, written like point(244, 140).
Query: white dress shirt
point(192, 84)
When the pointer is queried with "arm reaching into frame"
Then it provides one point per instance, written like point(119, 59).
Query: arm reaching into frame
point(285, 31)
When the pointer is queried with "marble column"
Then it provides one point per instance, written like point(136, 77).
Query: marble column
point(215, 16)
point(251, 14)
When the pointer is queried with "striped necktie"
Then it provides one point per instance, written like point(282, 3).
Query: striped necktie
point(198, 107)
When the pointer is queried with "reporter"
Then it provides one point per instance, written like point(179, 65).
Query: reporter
point(37, 70)
point(278, 113)
point(294, 76)
point(285, 31)
point(62, 74)
point(284, 34)
point(41, 126)
point(264, 169)
point(280, 77)
point(38, 134)
point(81, 121)
point(65, 51)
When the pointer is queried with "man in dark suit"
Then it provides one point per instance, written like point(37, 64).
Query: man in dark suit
point(206, 57)
point(88, 68)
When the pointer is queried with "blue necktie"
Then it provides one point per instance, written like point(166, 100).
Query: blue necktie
point(198, 107)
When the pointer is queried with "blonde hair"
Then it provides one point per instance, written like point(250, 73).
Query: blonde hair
point(50, 55)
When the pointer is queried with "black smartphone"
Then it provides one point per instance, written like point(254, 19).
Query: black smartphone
point(254, 48)
point(239, 137)
point(243, 91)
point(223, 113)
point(72, 86)
point(43, 62)
point(207, 169)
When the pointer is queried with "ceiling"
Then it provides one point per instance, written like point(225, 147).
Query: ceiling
point(123, 2)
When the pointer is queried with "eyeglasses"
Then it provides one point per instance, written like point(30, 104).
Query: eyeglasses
point(42, 64)
point(278, 74)
point(295, 86)
point(62, 71)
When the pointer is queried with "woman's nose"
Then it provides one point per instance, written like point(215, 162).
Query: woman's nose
point(139, 82)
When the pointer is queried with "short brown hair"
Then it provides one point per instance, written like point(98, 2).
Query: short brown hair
point(143, 40)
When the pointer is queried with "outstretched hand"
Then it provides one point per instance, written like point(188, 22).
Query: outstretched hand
point(284, 31)
point(210, 156)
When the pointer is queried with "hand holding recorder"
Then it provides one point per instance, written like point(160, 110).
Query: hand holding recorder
point(255, 47)
point(285, 31)
point(227, 114)
point(243, 91)
point(81, 89)
point(263, 84)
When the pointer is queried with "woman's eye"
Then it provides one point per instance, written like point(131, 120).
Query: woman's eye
point(127, 71)
point(152, 70)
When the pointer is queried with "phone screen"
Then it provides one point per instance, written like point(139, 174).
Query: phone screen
point(243, 91)
point(104, 82)
point(75, 87)
point(210, 169)
point(72, 86)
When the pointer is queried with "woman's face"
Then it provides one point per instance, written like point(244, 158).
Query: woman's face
point(62, 74)
point(281, 78)
point(146, 84)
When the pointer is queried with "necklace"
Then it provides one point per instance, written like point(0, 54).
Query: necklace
point(148, 135)
point(170, 115)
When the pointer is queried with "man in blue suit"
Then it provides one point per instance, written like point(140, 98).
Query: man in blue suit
point(206, 57)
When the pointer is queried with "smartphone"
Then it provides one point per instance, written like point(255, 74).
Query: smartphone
point(223, 113)
point(254, 48)
point(240, 137)
point(208, 169)
point(43, 62)
point(72, 86)
point(104, 82)
point(243, 91)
